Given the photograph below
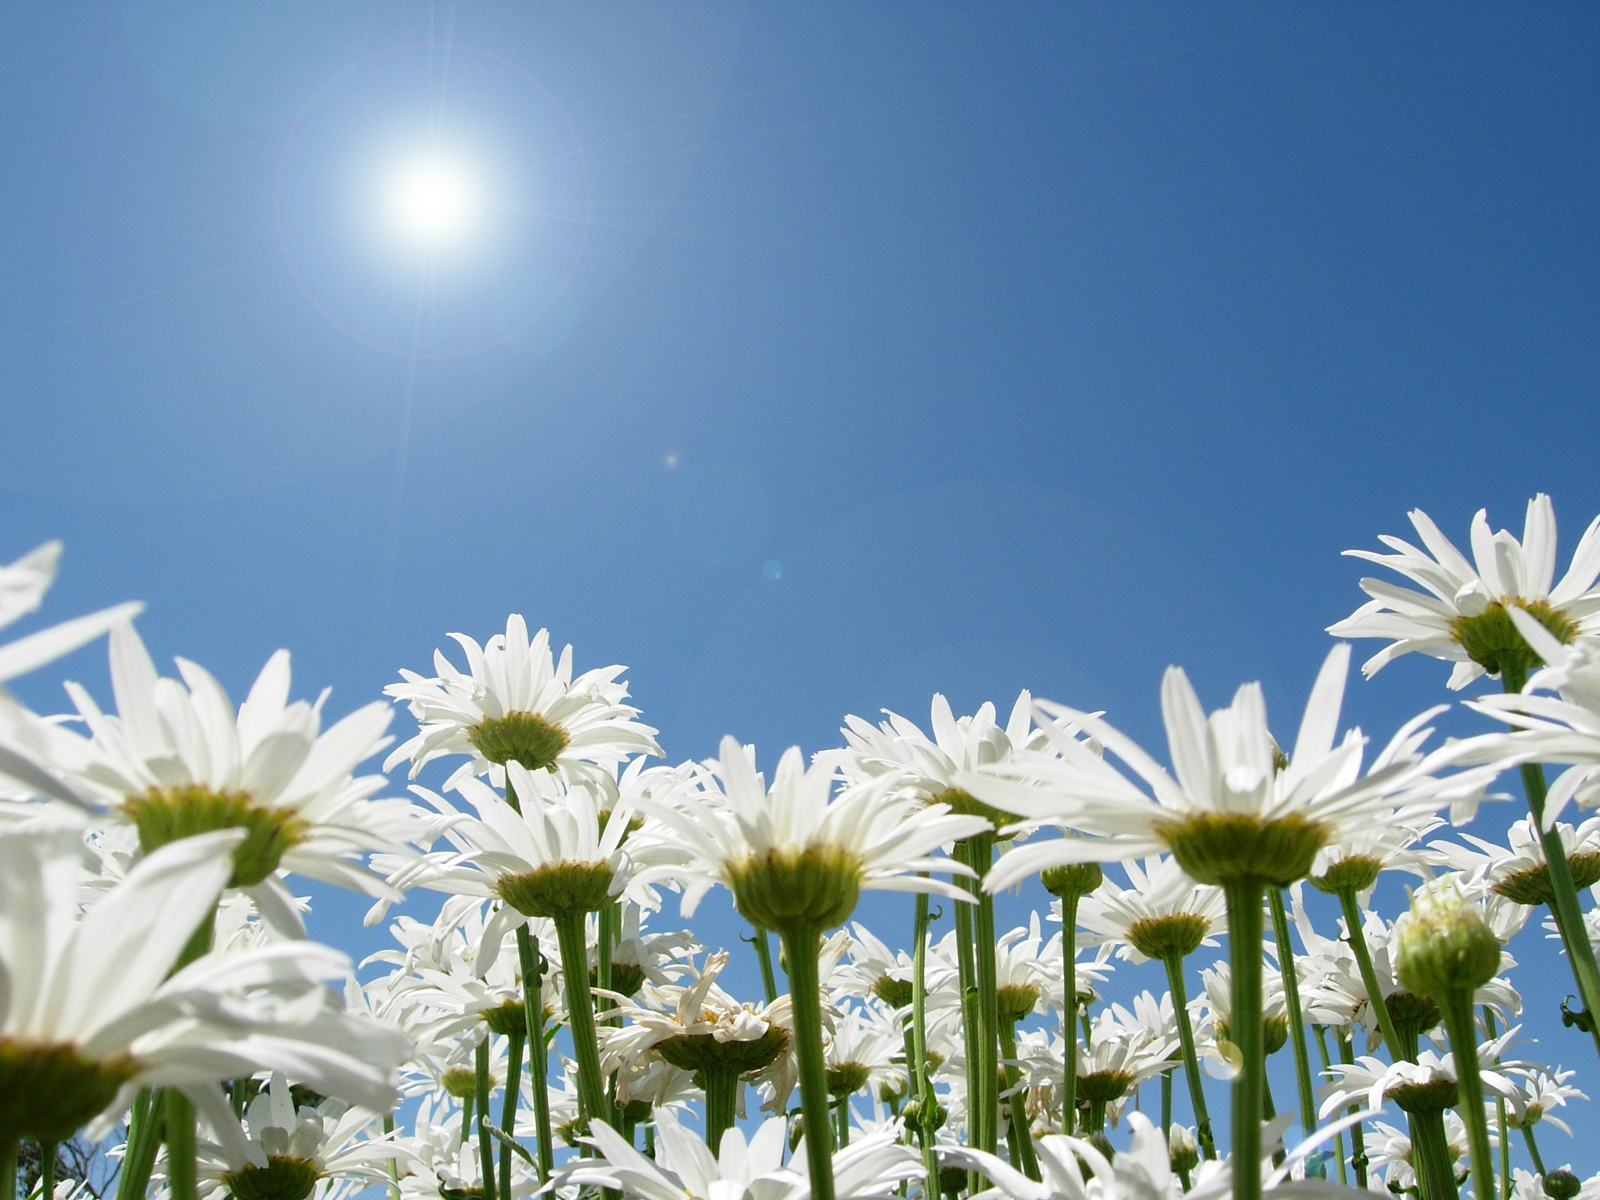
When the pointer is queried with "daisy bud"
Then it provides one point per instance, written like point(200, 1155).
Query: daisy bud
point(1442, 946)
point(1562, 1184)
point(1073, 879)
point(1182, 1150)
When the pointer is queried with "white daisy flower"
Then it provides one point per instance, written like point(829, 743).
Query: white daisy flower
point(1426, 1084)
point(1231, 805)
point(1161, 911)
point(1518, 870)
point(515, 703)
point(1462, 615)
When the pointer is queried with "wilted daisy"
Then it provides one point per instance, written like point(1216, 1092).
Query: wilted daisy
point(515, 703)
point(1463, 613)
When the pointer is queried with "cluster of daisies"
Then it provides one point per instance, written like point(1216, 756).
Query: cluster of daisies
point(553, 1031)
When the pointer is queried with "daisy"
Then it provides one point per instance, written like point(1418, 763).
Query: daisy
point(515, 703)
point(1519, 871)
point(1426, 1085)
point(1463, 613)
point(176, 759)
point(91, 1015)
point(1143, 1170)
point(1162, 912)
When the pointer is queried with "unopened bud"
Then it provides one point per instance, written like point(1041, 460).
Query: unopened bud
point(1442, 946)
point(1561, 1184)
point(1182, 1150)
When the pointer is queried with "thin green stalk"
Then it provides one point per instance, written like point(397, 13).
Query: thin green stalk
point(918, 1059)
point(1491, 1029)
point(47, 1170)
point(1069, 1012)
point(1166, 1106)
point(1533, 1149)
point(466, 1119)
point(1431, 1151)
point(393, 1163)
point(1021, 1135)
point(801, 945)
point(1357, 937)
point(484, 1090)
point(538, 1054)
point(1338, 1138)
point(580, 1016)
point(769, 981)
point(722, 1103)
point(144, 1135)
point(508, 1107)
point(1191, 1060)
point(8, 1170)
point(1291, 996)
point(1358, 1137)
point(1244, 956)
point(1564, 905)
point(982, 856)
point(966, 973)
point(180, 1146)
point(841, 1113)
point(1463, 1032)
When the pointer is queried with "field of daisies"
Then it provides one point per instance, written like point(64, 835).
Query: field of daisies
point(167, 1029)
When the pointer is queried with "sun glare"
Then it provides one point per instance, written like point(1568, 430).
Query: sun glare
point(433, 201)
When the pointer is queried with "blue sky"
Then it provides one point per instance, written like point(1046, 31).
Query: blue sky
point(840, 353)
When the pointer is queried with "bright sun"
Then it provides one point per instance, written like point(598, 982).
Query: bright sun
point(432, 201)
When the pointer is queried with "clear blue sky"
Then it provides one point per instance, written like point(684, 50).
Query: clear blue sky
point(875, 349)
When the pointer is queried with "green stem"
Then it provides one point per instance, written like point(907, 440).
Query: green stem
point(1463, 1031)
point(47, 1170)
point(1166, 1106)
point(1431, 1152)
point(1191, 1060)
point(769, 981)
point(393, 1163)
point(180, 1146)
point(1338, 1138)
point(1533, 1149)
point(8, 1169)
point(482, 1094)
point(966, 973)
point(722, 1102)
point(1358, 1137)
point(1069, 1012)
point(466, 1119)
point(1491, 1029)
point(1564, 905)
point(983, 1067)
point(1244, 956)
point(538, 1054)
point(1021, 1135)
point(1291, 995)
point(841, 1114)
point(1357, 937)
point(144, 1135)
point(580, 1015)
point(801, 945)
point(918, 1063)
point(508, 1107)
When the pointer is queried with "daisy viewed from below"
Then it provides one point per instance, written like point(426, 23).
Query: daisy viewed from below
point(516, 703)
point(1463, 613)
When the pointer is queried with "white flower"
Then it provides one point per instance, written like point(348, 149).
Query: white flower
point(176, 758)
point(1159, 895)
point(1226, 767)
point(514, 702)
point(92, 993)
point(1539, 1090)
point(869, 836)
point(1506, 575)
point(1518, 871)
point(1141, 1172)
point(1371, 1081)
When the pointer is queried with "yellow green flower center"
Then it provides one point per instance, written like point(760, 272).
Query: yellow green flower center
point(1356, 873)
point(558, 888)
point(1104, 1087)
point(48, 1092)
point(1434, 1096)
point(1492, 641)
point(520, 737)
point(702, 1051)
point(896, 993)
point(1224, 848)
point(460, 1083)
point(1162, 937)
point(786, 889)
point(846, 1079)
point(164, 815)
point(1016, 1000)
point(1531, 885)
point(281, 1179)
point(968, 805)
point(506, 1018)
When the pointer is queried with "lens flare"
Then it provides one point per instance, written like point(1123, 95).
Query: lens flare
point(433, 201)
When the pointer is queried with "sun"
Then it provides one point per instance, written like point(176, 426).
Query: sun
point(433, 201)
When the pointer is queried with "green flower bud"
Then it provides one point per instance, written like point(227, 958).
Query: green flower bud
point(1562, 1184)
point(1442, 946)
point(1182, 1151)
point(1073, 879)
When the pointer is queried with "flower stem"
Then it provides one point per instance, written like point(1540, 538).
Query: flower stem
point(769, 981)
point(1492, 1032)
point(801, 945)
point(722, 1102)
point(538, 1054)
point(481, 1095)
point(144, 1136)
point(1357, 937)
point(580, 1015)
point(1166, 1105)
point(607, 925)
point(47, 1170)
point(1358, 1146)
point(841, 1114)
point(393, 1163)
point(180, 1146)
point(1191, 1060)
point(1244, 956)
point(1021, 1135)
point(970, 1021)
point(1431, 1147)
point(1564, 892)
point(1291, 996)
point(1069, 1012)
point(919, 1048)
point(1533, 1149)
point(1338, 1138)
point(8, 1169)
point(508, 1108)
point(466, 1118)
point(983, 1066)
